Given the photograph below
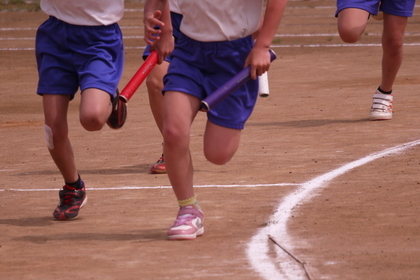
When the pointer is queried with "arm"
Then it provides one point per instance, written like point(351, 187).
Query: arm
point(259, 58)
point(156, 13)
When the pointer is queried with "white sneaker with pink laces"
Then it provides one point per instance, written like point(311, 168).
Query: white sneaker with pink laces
point(188, 224)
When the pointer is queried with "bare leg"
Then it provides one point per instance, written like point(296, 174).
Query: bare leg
point(154, 85)
point(73, 195)
point(392, 46)
point(351, 24)
point(180, 110)
point(220, 143)
point(95, 108)
point(55, 112)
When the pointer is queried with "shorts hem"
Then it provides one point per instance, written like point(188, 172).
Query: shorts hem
point(398, 14)
point(111, 92)
point(42, 91)
point(367, 9)
point(224, 124)
point(183, 90)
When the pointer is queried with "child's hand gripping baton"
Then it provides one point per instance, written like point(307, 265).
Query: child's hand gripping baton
point(230, 86)
point(139, 77)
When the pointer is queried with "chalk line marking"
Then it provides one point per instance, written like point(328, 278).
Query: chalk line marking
point(160, 187)
point(272, 46)
point(258, 248)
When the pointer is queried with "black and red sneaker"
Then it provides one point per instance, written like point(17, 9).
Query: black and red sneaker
point(159, 167)
point(119, 113)
point(71, 200)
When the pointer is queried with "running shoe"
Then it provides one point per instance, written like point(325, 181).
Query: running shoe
point(119, 113)
point(71, 200)
point(188, 224)
point(159, 167)
point(381, 107)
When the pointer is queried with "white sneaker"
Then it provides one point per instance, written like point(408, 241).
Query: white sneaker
point(381, 107)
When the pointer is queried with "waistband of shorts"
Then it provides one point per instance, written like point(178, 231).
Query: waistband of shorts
point(59, 21)
point(234, 44)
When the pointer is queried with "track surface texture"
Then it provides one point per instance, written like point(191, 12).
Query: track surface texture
point(286, 181)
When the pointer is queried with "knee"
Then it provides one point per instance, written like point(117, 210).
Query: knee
point(392, 46)
point(218, 158)
point(351, 24)
point(175, 138)
point(349, 31)
point(154, 83)
point(349, 38)
point(91, 122)
point(349, 35)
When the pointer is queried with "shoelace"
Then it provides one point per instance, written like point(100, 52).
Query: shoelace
point(68, 197)
point(67, 200)
point(161, 160)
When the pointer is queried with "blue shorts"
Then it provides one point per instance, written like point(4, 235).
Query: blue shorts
point(70, 57)
point(199, 68)
point(402, 8)
point(176, 23)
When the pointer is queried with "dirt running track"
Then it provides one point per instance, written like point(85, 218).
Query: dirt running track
point(363, 224)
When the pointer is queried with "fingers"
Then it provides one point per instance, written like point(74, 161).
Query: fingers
point(255, 72)
point(151, 21)
point(259, 60)
point(161, 58)
point(164, 46)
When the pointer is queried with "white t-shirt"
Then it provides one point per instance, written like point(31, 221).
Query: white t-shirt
point(85, 12)
point(219, 20)
point(173, 6)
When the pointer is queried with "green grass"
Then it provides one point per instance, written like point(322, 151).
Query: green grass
point(277, 41)
point(19, 5)
point(31, 5)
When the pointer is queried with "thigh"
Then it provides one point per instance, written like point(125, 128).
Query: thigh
point(353, 19)
point(94, 103)
point(220, 143)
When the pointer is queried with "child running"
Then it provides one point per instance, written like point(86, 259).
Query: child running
point(352, 20)
point(214, 44)
point(154, 83)
point(79, 46)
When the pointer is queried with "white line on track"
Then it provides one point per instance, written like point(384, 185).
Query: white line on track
point(160, 187)
point(413, 34)
point(277, 35)
point(258, 251)
point(336, 45)
point(273, 46)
